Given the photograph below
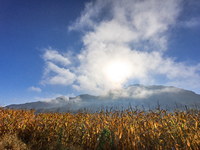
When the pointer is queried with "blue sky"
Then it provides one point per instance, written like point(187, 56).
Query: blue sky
point(51, 48)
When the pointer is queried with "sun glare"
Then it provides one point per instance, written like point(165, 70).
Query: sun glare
point(117, 71)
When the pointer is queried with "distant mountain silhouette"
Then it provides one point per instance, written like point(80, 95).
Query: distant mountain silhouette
point(148, 97)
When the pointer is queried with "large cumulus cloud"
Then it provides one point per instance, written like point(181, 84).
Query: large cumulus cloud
point(130, 32)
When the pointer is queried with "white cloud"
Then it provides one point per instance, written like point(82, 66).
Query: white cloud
point(193, 22)
point(62, 75)
point(56, 71)
point(131, 32)
point(90, 13)
point(34, 89)
point(54, 56)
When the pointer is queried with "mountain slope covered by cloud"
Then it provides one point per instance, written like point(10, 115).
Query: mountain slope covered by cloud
point(148, 97)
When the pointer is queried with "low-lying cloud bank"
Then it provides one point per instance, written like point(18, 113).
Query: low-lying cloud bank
point(136, 96)
point(140, 92)
point(124, 42)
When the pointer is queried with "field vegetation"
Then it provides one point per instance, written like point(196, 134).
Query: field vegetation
point(118, 130)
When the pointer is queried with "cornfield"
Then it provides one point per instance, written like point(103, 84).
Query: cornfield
point(123, 130)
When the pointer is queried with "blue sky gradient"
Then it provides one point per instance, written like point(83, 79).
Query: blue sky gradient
point(37, 37)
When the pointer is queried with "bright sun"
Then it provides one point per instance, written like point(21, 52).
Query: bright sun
point(118, 71)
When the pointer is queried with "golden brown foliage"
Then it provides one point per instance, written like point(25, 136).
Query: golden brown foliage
point(157, 130)
point(11, 142)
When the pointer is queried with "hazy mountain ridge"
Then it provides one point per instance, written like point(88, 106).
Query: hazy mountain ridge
point(143, 96)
